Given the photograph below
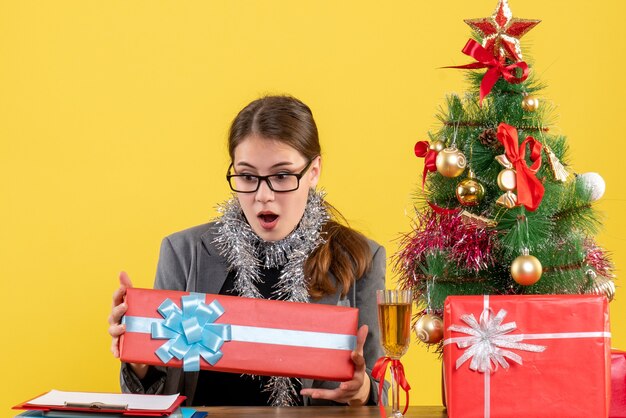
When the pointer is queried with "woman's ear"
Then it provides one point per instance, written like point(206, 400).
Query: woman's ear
point(315, 171)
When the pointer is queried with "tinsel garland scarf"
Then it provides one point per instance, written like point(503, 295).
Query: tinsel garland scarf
point(246, 253)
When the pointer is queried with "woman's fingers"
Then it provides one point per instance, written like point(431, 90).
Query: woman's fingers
point(114, 347)
point(125, 283)
point(357, 354)
point(115, 330)
point(361, 336)
point(354, 390)
point(125, 279)
point(117, 312)
point(359, 361)
point(118, 296)
point(351, 385)
point(330, 394)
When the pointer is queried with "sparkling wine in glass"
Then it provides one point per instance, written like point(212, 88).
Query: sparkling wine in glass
point(394, 319)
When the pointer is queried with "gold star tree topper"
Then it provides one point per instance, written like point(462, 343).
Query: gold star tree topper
point(501, 31)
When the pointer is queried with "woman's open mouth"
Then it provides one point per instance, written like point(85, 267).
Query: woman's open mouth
point(268, 220)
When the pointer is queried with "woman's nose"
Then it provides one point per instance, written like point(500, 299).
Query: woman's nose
point(264, 193)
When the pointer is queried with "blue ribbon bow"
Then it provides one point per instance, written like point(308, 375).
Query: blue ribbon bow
point(191, 331)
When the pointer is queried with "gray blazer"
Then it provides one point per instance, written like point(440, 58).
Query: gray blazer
point(190, 261)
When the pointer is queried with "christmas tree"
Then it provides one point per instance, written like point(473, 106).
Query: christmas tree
point(499, 210)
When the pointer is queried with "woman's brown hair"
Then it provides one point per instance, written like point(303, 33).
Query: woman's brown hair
point(345, 252)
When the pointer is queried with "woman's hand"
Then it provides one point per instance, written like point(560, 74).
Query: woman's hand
point(118, 310)
point(115, 326)
point(353, 392)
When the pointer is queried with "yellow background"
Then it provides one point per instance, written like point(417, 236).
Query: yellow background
point(113, 119)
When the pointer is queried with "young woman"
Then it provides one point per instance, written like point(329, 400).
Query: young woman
point(278, 239)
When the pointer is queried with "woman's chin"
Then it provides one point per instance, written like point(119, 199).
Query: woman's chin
point(270, 234)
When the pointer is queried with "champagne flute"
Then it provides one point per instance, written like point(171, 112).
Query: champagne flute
point(394, 320)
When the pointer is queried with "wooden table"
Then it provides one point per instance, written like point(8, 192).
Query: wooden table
point(317, 411)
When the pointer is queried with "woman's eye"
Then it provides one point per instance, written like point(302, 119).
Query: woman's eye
point(248, 178)
point(282, 177)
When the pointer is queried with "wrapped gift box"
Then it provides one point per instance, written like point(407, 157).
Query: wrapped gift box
point(240, 335)
point(618, 384)
point(535, 356)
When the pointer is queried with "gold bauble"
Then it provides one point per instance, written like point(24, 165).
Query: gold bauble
point(601, 285)
point(526, 270)
point(429, 329)
point(507, 180)
point(470, 192)
point(450, 162)
point(530, 103)
point(437, 146)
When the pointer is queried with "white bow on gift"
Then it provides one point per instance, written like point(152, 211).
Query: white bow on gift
point(486, 341)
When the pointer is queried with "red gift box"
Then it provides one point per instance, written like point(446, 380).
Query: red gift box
point(257, 336)
point(618, 384)
point(535, 356)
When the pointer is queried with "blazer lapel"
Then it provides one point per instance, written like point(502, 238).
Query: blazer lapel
point(212, 267)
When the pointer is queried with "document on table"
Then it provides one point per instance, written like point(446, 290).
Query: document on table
point(121, 400)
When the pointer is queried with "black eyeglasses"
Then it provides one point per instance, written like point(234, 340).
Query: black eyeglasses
point(249, 183)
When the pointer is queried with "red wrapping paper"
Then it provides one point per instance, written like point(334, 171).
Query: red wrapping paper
point(618, 384)
point(570, 378)
point(251, 357)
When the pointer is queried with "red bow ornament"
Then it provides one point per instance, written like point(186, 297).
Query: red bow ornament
point(443, 211)
point(496, 67)
point(397, 371)
point(422, 149)
point(530, 189)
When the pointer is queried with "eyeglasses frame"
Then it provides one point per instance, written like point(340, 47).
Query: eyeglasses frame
point(266, 179)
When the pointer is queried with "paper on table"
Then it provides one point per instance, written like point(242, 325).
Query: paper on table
point(145, 402)
point(178, 413)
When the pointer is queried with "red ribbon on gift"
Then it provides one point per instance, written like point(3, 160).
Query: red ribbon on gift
point(397, 370)
point(422, 150)
point(496, 68)
point(529, 188)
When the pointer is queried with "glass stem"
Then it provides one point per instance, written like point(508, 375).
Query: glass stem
point(395, 394)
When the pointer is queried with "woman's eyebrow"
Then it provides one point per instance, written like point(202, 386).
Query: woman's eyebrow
point(277, 165)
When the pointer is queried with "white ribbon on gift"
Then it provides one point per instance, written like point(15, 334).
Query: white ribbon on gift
point(487, 340)
point(488, 336)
